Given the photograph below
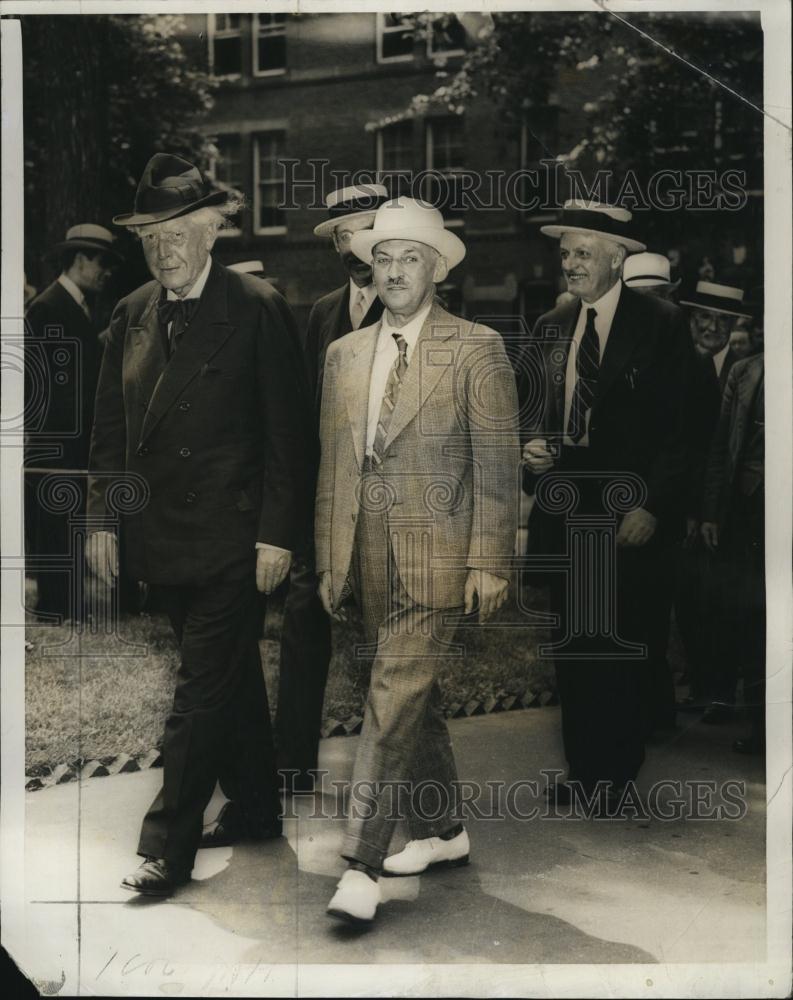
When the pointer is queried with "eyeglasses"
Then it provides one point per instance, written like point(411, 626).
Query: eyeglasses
point(178, 238)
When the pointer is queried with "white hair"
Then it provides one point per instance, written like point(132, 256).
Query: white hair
point(213, 217)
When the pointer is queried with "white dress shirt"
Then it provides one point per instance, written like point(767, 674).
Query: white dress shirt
point(718, 359)
point(385, 355)
point(75, 293)
point(605, 307)
point(369, 293)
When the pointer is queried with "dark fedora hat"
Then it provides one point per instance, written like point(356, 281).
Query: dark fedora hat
point(87, 236)
point(169, 187)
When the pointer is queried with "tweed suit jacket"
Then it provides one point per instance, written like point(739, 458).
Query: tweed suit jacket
point(729, 440)
point(217, 433)
point(449, 480)
point(329, 320)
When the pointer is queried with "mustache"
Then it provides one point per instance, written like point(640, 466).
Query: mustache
point(395, 283)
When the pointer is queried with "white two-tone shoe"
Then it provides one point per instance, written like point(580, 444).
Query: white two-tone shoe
point(356, 898)
point(419, 855)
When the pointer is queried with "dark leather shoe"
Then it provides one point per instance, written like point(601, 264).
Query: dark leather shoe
point(231, 827)
point(155, 877)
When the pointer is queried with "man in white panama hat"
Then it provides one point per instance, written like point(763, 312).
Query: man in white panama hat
point(610, 428)
point(305, 633)
point(416, 512)
point(650, 274)
point(713, 310)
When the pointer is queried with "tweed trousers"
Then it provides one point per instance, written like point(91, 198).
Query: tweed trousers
point(404, 767)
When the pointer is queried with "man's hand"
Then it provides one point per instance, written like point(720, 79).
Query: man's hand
point(101, 556)
point(492, 591)
point(272, 565)
point(637, 528)
point(710, 535)
point(537, 456)
point(325, 591)
point(692, 533)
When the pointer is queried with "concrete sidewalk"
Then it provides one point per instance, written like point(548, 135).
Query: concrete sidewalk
point(537, 891)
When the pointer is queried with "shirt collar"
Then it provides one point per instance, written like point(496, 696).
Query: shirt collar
point(198, 287)
point(72, 289)
point(605, 306)
point(369, 292)
point(410, 331)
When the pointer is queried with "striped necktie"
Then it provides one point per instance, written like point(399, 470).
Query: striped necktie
point(390, 395)
point(587, 365)
point(358, 310)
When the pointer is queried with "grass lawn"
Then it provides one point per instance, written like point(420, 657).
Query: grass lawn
point(95, 697)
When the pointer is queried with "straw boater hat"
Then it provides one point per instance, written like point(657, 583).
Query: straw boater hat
point(594, 217)
point(87, 236)
point(356, 202)
point(718, 299)
point(647, 270)
point(408, 219)
point(169, 188)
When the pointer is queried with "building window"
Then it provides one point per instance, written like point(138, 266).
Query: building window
point(394, 152)
point(395, 37)
point(445, 159)
point(447, 37)
point(226, 170)
point(225, 44)
point(268, 218)
point(269, 44)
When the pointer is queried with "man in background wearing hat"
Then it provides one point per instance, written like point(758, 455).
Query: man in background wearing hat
point(60, 398)
point(305, 634)
point(713, 310)
point(201, 396)
point(614, 369)
point(416, 512)
point(649, 274)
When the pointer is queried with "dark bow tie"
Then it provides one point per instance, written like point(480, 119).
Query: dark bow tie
point(179, 311)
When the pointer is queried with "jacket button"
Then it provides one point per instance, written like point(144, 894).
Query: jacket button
point(184, 452)
point(190, 497)
point(143, 450)
point(184, 405)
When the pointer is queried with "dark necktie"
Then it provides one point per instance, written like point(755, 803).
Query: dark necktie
point(587, 365)
point(390, 395)
point(177, 312)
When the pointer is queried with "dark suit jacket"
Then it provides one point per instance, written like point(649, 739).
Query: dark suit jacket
point(218, 432)
point(60, 385)
point(640, 419)
point(330, 319)
point(730, 438)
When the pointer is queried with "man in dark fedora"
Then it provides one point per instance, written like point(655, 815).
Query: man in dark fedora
point(606, 451)
point(201, 396)
point(305, 636)
point(60, 389)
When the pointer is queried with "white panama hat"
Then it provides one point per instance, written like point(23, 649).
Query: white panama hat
point(409, 219)
point(608, 221)
point(356, 202)
point(646, 270)
point(724, 299)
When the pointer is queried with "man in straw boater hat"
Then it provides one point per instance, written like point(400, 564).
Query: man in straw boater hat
point(605, 444)
point(713, 311)
point(201, 396)
point(305, 633)
point(416, 512)
point(61, 401)
point(650, 274)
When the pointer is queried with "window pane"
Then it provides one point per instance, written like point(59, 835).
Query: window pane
point(269, 213)
point(447, 35)
point(448, 151)
point(270, 148)
point(271, 53)
point(228, 166)
point(397, 37)
point(397, 146)
point(227, 57)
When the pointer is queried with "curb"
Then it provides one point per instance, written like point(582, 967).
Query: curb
point(44, 776)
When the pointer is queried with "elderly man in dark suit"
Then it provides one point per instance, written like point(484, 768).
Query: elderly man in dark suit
point(201, 396)
point(305, 635)
point(607, 455)
point(60, 398)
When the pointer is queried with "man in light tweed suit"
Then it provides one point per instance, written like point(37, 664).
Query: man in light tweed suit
point(416, 513)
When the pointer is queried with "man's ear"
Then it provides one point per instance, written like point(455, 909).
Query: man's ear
point(441, 269)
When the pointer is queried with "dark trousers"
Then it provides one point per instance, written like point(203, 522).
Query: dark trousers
point(305, 656)
point(219, 726)
point(605, 689)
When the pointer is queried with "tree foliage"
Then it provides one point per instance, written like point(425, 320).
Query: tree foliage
point(101, 95)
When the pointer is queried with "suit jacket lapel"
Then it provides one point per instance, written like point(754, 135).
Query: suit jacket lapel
point(622, 340)
point(208, 331)
point(146, 348)
point(356, 373)
point(424, 371)
point(340, 318)
point(557, 364)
